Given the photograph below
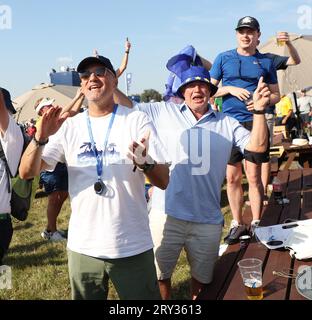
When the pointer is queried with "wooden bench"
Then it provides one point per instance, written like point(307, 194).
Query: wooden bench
point(227, 283)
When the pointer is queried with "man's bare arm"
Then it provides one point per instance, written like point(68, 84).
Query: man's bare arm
point(74, 106)
point(294, 57)
point(240, 93)
point(122, 99)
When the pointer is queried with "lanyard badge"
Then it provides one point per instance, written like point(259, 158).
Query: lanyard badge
point(99, 186)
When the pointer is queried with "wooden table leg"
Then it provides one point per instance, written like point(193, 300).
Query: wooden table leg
point(306, 163)
point(291, 157)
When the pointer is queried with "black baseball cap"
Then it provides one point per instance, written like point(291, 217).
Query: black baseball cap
point(95, 60)
point(248, 22)
point(7, 100)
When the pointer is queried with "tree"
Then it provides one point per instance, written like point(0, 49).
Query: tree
point(149, 95)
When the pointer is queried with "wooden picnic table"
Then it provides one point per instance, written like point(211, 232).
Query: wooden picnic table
point(284, 150)
point(304, 154)
point(227, 283)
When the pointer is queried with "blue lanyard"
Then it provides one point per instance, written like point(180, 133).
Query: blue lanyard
point(99, 157)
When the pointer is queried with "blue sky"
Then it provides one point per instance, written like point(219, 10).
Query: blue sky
point(48, 34)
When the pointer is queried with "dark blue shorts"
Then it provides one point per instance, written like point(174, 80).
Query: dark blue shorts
point(56, 180)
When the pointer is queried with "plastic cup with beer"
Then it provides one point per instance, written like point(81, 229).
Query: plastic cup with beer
point(279, 41)
point(251, 272)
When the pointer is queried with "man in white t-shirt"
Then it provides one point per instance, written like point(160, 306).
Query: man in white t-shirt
point(109, 235)
point(11, 140)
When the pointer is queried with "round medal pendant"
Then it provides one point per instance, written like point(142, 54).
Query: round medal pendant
point(100, 187)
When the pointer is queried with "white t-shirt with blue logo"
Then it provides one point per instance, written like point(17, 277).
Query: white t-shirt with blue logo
point(114, 225)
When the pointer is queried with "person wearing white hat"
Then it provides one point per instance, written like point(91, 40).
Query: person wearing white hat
point(55, 185)
point(44, 105)
point(56, 182)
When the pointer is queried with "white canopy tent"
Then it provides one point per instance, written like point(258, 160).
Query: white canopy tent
point(25, 103)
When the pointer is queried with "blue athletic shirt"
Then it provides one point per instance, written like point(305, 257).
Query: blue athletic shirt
point(242, 72)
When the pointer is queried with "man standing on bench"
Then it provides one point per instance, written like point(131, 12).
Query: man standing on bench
point(239, 70)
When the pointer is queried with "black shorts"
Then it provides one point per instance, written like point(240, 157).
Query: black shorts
point(254, 157)
point(6, 232)
point(56, 180)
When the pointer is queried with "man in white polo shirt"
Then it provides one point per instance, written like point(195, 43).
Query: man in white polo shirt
point(199, 143)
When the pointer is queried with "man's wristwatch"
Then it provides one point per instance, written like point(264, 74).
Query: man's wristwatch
point(258, 111)
point(147, 167)
point(39, 143)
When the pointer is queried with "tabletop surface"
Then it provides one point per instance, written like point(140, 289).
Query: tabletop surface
point(227, 283)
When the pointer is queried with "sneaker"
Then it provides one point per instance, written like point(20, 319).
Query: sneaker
point(236, 231)
point(52, 236)
point(254, 224)
point(64, 233)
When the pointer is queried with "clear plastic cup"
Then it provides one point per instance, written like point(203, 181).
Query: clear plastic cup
point(251, 272)
point(279, 42)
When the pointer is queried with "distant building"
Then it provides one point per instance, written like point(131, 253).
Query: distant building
point(67, 77)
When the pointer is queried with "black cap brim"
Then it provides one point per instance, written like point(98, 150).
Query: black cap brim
point(247, 26)
point(7, 100)
point(85, 63)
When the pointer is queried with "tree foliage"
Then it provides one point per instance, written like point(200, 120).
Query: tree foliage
point(149, 95)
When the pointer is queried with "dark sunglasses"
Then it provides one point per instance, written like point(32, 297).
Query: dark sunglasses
point(99, 72)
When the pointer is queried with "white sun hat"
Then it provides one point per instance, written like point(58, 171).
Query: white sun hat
point(43, 103)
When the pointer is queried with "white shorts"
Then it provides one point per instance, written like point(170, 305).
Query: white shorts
point(201, 242)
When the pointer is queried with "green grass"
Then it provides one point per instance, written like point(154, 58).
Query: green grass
point(39, 268)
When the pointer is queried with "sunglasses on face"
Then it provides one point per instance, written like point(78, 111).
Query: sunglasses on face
point(99, 72)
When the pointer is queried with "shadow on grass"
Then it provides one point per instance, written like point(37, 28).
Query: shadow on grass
point(21, 226)
point(51, 257)
point(181, 291)
point(28, 247)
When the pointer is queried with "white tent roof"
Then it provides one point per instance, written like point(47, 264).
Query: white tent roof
point(25, 103)
point(297, 77)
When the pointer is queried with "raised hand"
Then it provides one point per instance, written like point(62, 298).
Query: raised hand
point(127, 45)
point(261, 97)
point(283, 36)
point(50, 123)
point(138, 151)
point(95, 53)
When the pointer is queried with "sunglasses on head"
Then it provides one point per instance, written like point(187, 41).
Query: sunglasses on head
point(99, 72)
